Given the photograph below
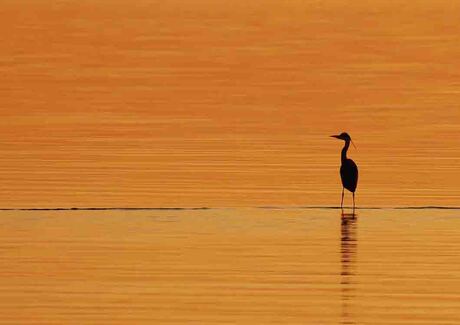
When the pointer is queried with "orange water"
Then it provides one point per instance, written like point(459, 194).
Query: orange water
point(230, 266)
point(211, 103)
point(205, 103)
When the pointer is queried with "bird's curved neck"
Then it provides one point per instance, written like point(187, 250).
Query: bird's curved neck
point(344, 150)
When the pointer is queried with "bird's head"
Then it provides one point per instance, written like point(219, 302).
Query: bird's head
point(344, 136)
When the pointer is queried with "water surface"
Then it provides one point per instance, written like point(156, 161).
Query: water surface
point(230, 266)
point(204, 103)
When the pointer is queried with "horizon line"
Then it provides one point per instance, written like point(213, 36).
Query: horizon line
point(433, 207)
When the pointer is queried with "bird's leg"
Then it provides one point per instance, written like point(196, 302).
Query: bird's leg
point(341, 203)
point(353, 203)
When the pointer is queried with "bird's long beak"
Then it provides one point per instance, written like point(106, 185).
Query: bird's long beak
point(335, 136)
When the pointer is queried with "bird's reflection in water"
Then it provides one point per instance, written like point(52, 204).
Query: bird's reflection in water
point(348, 246)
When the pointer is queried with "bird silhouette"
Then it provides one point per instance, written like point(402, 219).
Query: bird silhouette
point(348, 169)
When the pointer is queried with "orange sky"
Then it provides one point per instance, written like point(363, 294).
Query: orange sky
point(201, 103)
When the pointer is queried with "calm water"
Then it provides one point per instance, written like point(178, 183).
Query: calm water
point(205, 103)
point(230, 266)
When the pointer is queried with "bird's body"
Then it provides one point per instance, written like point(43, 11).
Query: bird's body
point(349, 175)
point(348, 169)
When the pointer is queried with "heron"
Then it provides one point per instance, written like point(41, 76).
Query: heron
point(348, 169)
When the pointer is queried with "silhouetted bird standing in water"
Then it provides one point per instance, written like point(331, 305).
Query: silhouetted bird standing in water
point(348, 169)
